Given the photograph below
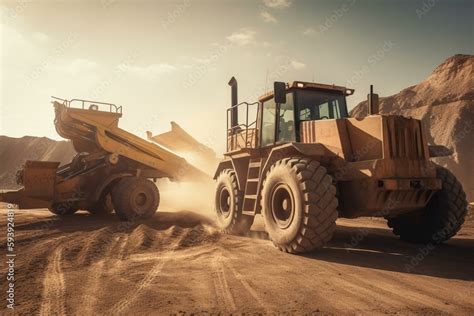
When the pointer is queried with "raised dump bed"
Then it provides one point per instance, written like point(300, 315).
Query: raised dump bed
point(113, 169)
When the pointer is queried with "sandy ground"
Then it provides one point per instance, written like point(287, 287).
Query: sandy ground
point(178, 263)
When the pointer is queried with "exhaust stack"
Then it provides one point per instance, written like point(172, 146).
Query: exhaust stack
point(372, 102)
point(234, 112)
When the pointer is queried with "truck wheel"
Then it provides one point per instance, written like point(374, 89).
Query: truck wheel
point(228, 205)
point(63, 208)
point(103, 206)
point(440, 220)
point(299, 205)
point(135, 198)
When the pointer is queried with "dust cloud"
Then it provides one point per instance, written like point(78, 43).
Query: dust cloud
point(195, 196)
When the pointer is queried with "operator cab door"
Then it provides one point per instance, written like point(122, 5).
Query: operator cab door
point(278, 122)
point(268, 123)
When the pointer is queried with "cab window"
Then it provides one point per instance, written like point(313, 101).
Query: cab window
point(268, 122)
point(319, 105)
point(286, 123)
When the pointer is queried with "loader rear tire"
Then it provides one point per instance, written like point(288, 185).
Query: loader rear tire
point(299, 205)
point(440, 220)
point(63, 208)
point(228, 205)
point(135, 198)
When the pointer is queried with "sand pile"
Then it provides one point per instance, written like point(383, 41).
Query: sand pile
point(14, 152)
point(445, 103)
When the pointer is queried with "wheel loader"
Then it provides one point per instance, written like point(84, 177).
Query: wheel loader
point(297, 158)
point(113, 169)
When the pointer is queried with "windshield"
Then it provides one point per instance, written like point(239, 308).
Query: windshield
point(320, 105)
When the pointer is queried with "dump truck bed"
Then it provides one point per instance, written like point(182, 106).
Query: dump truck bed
point(92, 130)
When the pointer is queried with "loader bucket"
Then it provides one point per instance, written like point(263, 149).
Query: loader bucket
point(38, 179)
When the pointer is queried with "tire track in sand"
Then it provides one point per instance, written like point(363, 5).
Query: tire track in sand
point(54, 290)
point(220, 284)
point(247, 286)
point(97, 271)
point(123, 304)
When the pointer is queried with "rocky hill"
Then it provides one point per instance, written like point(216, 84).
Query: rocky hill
point(445, 103)
point(14, 152)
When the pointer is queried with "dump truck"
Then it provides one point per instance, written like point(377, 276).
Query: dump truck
point(112, 170)
point(297, 158)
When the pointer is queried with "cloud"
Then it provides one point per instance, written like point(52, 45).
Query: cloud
point(242, 37)
point(149, 71)
point(40, 37)
point(78, 65)
point(309, 31)
point(297, 64)
point(278, 4)
point(199, 60)
point(14, 40)
point(267, 17)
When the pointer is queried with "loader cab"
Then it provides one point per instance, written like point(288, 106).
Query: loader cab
point(278, 114)
point(281, 116)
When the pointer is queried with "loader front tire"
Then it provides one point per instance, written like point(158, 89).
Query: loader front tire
point(440, 220)
point(228, 205)
point(299, 205)
point(135, 198)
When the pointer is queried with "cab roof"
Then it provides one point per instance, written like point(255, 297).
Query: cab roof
point(309, 86)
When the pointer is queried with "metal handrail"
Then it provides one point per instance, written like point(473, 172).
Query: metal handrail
point(116, 109)
point(243, 126)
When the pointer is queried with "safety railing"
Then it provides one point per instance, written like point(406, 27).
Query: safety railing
point(245, 132)
point(90, 105)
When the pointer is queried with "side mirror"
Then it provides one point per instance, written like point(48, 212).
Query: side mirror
point(279, 92)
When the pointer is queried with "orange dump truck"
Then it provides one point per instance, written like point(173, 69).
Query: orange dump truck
point(113, 169)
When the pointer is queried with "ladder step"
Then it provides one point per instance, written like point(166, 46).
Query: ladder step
point(254, 165)
point(252, 180)
point(251, 196)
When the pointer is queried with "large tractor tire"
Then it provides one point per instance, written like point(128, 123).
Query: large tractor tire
point(63, 208)
point(135, 198)
point(299, 205)
point(440, 220)
point(103, 206)
point(228, 205)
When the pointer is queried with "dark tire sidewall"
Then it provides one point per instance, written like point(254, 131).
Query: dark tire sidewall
point(442, 217)
point(64, 208)
point(127, 192)
point(227, 182)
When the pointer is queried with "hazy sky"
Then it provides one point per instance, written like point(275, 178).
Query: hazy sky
point(171, 60)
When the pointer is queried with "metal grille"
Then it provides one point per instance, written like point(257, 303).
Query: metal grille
point(404, 138)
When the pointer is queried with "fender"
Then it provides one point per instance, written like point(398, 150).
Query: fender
point(239, 165)
point(439, 151)
point(319, 152)
point(224, 164)
point(101, 188)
